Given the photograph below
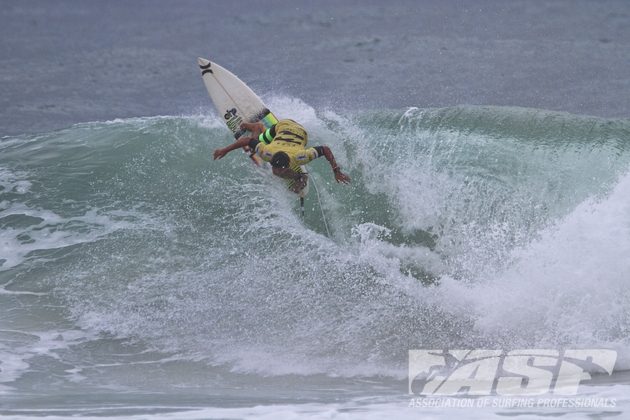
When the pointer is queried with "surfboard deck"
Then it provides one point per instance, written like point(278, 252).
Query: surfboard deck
point(236, 103)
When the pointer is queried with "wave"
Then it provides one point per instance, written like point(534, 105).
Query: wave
point(463, 227)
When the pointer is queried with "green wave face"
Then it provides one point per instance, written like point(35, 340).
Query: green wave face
point(454, 217)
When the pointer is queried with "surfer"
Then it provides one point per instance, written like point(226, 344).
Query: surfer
point(284, 146)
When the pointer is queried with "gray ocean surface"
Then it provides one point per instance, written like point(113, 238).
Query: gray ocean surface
point(489, 147)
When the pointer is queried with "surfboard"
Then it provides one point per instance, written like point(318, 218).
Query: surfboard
point(236, 103)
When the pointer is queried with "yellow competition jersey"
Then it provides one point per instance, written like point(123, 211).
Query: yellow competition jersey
point(291, 138)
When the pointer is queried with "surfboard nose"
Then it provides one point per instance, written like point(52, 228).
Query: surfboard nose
point(202, 62)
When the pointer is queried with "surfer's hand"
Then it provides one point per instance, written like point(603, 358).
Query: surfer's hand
point(219, 153)
point(341, 177)
point(255, 128)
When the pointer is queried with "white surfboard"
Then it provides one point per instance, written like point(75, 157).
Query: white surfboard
point(232, 98)
point(236, 102)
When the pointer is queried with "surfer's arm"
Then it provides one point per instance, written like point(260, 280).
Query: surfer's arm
point(328, 154)
point(242, 142)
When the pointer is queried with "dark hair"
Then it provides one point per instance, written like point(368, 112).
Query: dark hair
point(280, 160)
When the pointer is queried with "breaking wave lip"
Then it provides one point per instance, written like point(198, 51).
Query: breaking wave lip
point(432, 258)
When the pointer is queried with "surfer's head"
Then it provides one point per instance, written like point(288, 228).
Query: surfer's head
point(280, 160)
